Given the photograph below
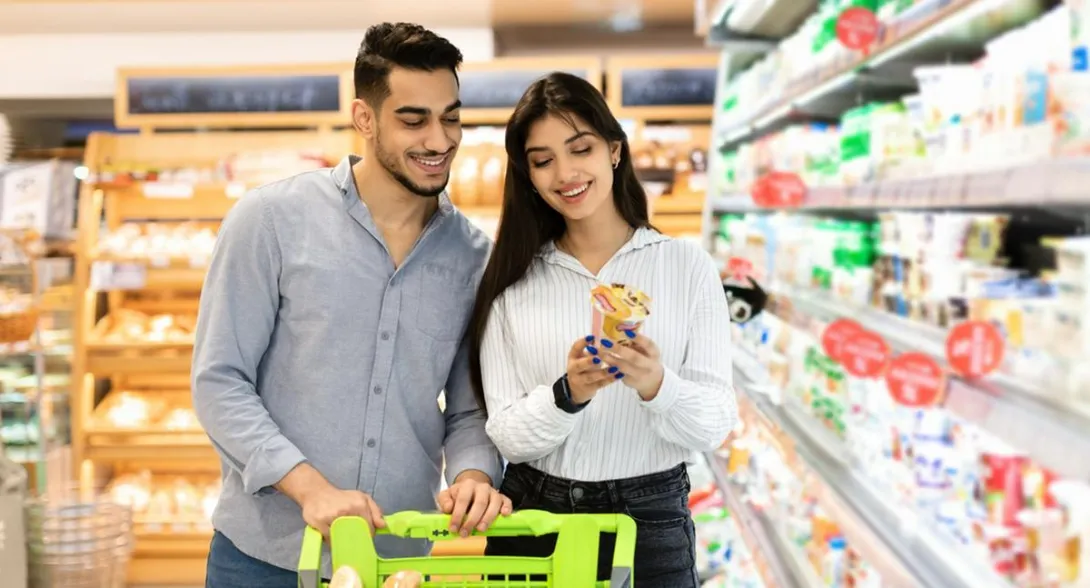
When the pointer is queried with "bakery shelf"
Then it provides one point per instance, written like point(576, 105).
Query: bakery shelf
point(905, 550)
point(137, 360)
point(777, 561)
point(171, 200)
point(161, 274)
point(1055, 434)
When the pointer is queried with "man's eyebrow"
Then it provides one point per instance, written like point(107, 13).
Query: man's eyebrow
point(422, 111)
point(574, 137)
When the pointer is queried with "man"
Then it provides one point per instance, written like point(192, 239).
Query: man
point(332, 317)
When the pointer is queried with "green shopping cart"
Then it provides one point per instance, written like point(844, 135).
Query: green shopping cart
point(574, 564)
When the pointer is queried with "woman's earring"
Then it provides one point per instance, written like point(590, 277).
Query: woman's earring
point(616, 162)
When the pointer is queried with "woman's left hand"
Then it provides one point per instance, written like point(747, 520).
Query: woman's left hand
point(638, 362)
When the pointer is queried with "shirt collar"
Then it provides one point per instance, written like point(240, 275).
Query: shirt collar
point(342, 177)
point(643, 237)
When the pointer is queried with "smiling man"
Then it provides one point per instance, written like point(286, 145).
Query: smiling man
point(331, 319)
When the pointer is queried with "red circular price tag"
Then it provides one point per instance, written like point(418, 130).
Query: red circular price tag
point(865, 355)
point(779, 190)
point(739, 268)
point(857, 28)
point(835, 335)
point(916, 380)
point(975, 348)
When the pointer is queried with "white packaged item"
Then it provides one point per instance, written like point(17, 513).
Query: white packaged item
point(39, 197)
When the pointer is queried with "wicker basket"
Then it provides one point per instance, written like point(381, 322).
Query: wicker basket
point(17, 327)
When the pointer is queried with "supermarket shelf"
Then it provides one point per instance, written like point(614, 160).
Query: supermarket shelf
point(905, 551)
point(1054, 434)
point(104, 361)
point(933, 29)
point(159, 446)
point(1056, 182)
point(775, 560)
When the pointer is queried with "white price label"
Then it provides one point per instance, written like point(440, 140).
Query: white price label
point(159, 261)
point(168, 190)
point(107, 275)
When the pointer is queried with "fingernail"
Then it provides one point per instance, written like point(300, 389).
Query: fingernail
point(465, 534)
point(619, 375)
point(597, 361)
point(590, 339)
point(607, 343)
point(592, 350)
point(631, 334)
point(481, 527)
point(613, 370)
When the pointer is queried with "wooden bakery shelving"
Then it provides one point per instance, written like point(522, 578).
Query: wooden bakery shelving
point(667, 103)
point(136, 307)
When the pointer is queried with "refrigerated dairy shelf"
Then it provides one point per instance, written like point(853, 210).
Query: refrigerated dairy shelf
point(779, 564)
point(931, 30)
point(1053, 433)
point(905, 550)
point(1056, 182)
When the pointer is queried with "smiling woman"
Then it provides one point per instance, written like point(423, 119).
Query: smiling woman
point(612, 432)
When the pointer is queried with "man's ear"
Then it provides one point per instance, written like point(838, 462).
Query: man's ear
point(364, 118)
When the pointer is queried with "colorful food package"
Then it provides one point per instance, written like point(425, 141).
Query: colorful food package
point(617, 308)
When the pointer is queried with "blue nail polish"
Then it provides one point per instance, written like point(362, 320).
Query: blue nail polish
point(590, 339)
point(619, 375)
point(592, 350)
point(631, 334)
point(597, 361)
point(607, 343)
point(613, 370)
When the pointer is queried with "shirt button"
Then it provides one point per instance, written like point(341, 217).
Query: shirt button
point(386, 335)
point(577, 493)
point(378, 389)
point(370, 442)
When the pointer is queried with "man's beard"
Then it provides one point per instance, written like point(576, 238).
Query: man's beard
point(389, 162)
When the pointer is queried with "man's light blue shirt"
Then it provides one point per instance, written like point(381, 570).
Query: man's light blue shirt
point(311, 346)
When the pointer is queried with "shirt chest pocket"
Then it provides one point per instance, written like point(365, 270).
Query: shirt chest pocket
point(442, 300)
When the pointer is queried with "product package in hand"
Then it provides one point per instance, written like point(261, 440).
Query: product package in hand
point(616, 310)
point(346, 577)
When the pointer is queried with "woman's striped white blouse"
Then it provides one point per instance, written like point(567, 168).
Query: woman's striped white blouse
point(533, 325)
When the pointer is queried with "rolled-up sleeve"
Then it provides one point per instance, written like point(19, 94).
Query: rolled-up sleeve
point(467, 445)
point(237, 313)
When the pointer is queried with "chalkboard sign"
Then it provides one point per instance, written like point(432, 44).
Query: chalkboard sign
point(501, 89)
point(234, 95)
point(668, 87)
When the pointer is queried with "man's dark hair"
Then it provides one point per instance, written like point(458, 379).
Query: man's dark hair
point(401, 44)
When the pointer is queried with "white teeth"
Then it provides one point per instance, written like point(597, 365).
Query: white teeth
point(575, 192)
point(431, 162)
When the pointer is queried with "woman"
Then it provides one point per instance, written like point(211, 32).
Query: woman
point(592, 425)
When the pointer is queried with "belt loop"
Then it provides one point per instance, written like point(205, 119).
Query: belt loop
point(538, 486)
point(614, 496)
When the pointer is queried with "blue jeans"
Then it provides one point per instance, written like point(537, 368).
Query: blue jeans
point(659, 503)
point(230, 568)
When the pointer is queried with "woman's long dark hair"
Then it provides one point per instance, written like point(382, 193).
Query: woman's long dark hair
point(527, 222)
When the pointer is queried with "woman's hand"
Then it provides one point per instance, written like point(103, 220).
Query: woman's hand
point(638, 362)
point(586, 376)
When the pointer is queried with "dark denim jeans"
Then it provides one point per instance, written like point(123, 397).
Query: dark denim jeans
point(230, 568)
point(659, 503)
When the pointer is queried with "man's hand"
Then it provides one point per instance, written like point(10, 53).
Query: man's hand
point(472, 503)
point(323, 503)
point(322, 508)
